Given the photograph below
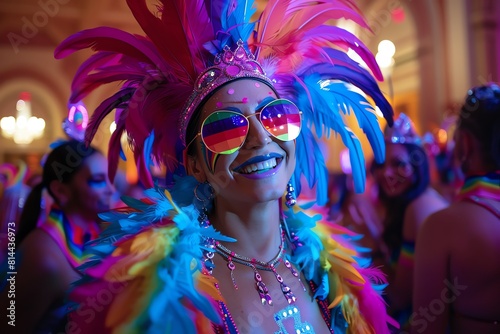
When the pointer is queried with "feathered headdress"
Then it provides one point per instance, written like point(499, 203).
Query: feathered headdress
point(303, 56)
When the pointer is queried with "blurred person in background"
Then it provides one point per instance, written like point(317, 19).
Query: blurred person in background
point(76, 178)
point(457, 289)
point(407, 199)
point(12, 199)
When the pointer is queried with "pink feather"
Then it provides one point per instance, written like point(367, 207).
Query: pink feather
point(345, 40)
point(272, 17)
point(175, 47)
point(110, 39)
point(95, 61)
point(103, 110)
point(371, 305)
point(97, 79)
point(286, 22)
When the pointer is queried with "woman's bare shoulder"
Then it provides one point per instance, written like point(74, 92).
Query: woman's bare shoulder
point(39, 252)
point(455, 216)
point(419, 211)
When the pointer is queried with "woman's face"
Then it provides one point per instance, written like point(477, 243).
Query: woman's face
point(260, 170)
point(90, 188)
point(396, 175)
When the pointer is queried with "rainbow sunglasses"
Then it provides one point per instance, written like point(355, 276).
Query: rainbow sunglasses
point(225, 131)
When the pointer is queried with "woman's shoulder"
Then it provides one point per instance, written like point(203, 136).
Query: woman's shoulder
point(429, 200)
point(447, 219)
point(420, 209)
point(41, 253)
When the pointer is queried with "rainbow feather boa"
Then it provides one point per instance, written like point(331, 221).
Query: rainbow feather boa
point(146, 276)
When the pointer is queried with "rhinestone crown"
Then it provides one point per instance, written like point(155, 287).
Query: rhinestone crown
point(402, 132)
point(228, 66)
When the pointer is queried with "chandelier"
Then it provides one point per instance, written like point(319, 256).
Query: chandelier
point(23, 128)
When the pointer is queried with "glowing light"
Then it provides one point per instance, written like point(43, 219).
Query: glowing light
point(384, 57)
point(387, 48)
point(24, 128)
point(398, 15)
point(112, 127)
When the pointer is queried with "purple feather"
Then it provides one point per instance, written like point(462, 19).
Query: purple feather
point(104, 109)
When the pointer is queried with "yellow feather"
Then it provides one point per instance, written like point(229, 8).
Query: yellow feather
point(141, 252)
point(206, 284)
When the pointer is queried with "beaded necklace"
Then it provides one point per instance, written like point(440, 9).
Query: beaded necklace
point(256, 265)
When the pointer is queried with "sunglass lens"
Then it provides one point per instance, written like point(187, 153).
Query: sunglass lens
point(282, 119)
point(224, 132)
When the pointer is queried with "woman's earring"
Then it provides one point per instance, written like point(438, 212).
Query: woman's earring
point(204, 194)
point(290, 195)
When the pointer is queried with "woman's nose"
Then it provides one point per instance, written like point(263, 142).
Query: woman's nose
point(257, 135)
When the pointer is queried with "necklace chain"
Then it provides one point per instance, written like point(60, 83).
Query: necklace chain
point(256, 265)
point(230, 255)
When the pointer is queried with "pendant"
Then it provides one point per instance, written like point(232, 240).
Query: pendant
point(285, 289)
point(263, 291)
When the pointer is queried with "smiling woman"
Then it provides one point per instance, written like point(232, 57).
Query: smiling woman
point(407, 199)
point(232, 108)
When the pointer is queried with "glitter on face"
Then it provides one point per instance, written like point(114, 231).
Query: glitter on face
point(218, 104)
point(245, 100)
point(257, 84)
point(230, 91)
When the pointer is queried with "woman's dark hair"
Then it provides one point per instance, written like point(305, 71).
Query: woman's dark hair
point(480, 115)
point(396, 206)
point(61, 164)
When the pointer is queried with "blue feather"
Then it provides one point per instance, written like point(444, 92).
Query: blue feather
point(325, 116)
point(134, 203)
point(235, 21)
point(364, 112)
point(310, 164)
point(345, 69)
point(148, 148)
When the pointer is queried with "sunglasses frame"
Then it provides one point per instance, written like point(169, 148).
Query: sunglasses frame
point(248, 124)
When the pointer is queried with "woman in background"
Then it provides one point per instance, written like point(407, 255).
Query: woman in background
point(407, 199)
point(76, 178)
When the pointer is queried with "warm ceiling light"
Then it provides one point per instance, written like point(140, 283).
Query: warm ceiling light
point(23, 128)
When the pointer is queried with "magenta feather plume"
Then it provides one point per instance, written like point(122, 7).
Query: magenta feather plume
point(113, 40)
point(371, 304)
point(184, 29)
point(106, 107)
point(345, 40)
point(93, 81)
point(95, 61)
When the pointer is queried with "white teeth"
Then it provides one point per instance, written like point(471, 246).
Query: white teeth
point(271, 163)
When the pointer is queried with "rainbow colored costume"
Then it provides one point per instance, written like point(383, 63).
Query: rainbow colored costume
point(151, 273)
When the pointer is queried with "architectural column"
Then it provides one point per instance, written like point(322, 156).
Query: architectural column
point(484, 24)
point(431, 57)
